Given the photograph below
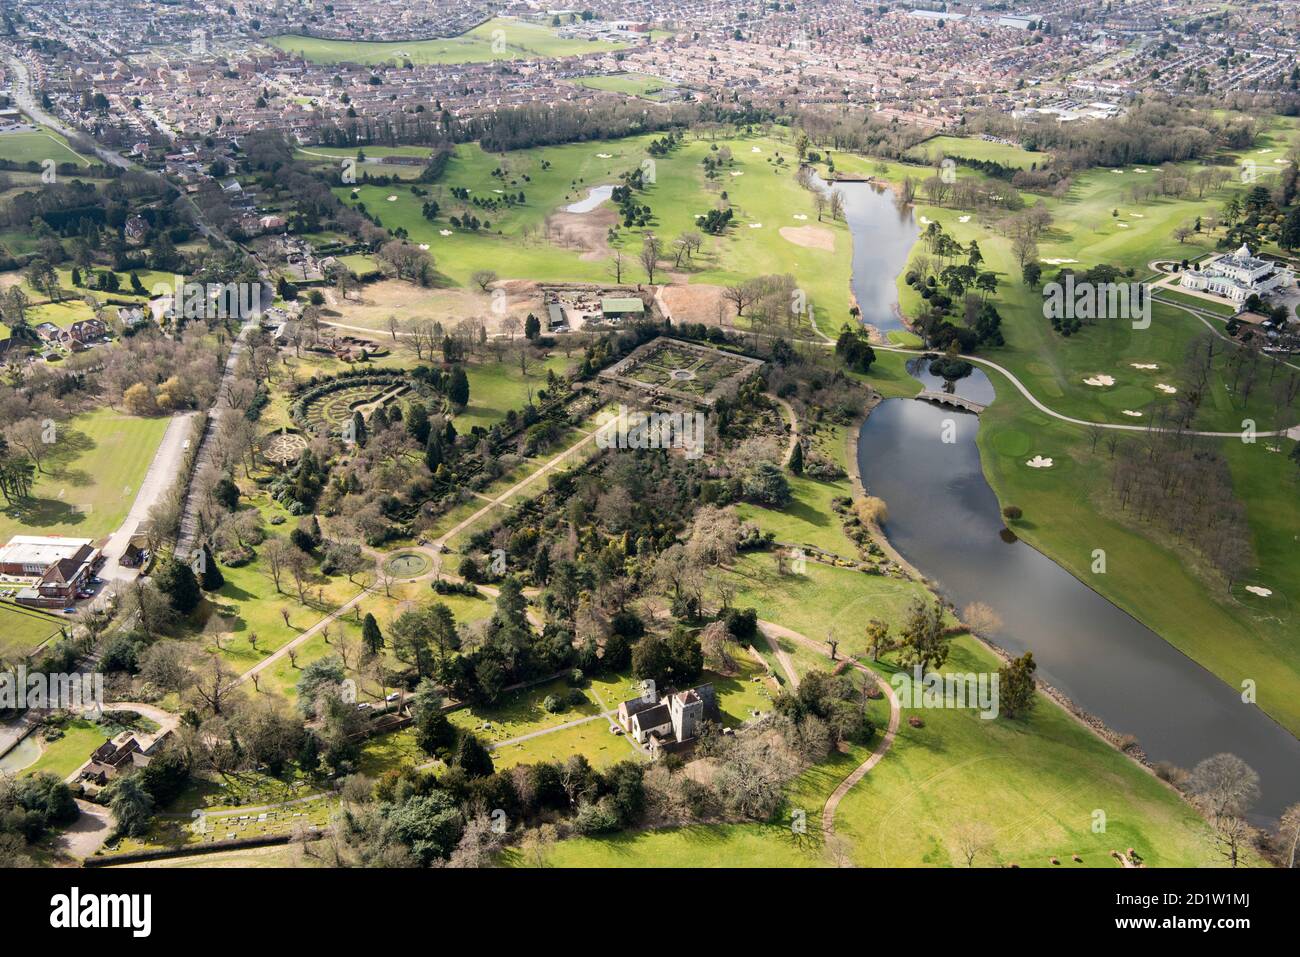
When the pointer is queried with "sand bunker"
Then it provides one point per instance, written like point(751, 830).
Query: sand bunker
point(1259, 590)
point(1167, 389)
point(755, 149)
point(1132, 414)
point(923, 221)
point(1122, 225)
point(963, 219)
point(736, 172)
point(1144, 365)
point(755, 225)
point(1100, 380)
point(444, 232)
point(424, 245)
point(811, 237)
point(800, 216)
point(1038, 462)
point(1059, 262)
point(605, 156)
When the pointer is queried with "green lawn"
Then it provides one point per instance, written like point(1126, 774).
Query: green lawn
point(35, 146)
point(758, 182)
point(23, 629)
point(632, 84)
point(71, 751)
point(1069, 513)
point(90, 479)
point(497, 387)
point(502, 38)
point(971, 147)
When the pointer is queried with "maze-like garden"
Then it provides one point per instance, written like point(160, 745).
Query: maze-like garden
point(283, 448)
point(330, 404)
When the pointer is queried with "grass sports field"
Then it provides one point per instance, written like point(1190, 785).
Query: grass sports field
point(502, 38)
point(976, 149)
point(24, 629)
point(632, 84)
point(37, 145)
point(90, 478)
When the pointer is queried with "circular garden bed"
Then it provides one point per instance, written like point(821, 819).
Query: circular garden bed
point(408, 564)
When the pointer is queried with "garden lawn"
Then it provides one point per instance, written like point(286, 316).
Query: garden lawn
point(90, 478)
point(69, 752)
point(24, 629)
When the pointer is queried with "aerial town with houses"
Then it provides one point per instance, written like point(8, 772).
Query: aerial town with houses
point(690, 433)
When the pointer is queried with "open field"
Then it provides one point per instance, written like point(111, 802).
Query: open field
point(90, 479)
point(38, 145)
point(1034, 783)
point(502, 38)
point(758, 181)
point(1070, 512)
point(632, 84)
point(978, 149)
point(24, 629)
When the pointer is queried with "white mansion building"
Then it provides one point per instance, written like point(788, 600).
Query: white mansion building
point(1236, 276)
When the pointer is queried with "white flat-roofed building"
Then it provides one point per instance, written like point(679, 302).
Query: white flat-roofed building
point(28, 556)
point(1237, 276)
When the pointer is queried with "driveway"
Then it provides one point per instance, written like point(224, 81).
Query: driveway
point(162, 472)
point(87, 833)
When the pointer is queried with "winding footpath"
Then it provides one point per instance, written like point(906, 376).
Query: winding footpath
point(772, 631)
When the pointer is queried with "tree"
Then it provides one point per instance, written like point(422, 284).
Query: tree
point(176, 580)
point(924, 645)
point(371, 635)
point(973, 839)
point(30, 436)
point(434, 734)
point(458, 388)
point(532, 327)
point(767, 485)
point(210, 577)
point(1289, 832)
point(132, 806)
point(472, 757)
point(484, 278)
point(1016, 686)
point(1223, 785)
point(650, 253)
